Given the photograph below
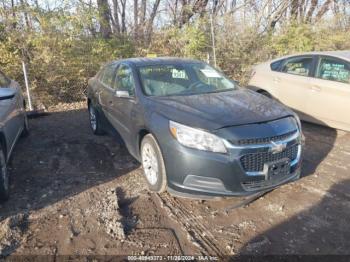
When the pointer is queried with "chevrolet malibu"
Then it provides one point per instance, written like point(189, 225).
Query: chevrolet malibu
point(196, 132)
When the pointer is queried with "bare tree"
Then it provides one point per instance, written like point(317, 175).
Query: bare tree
point(24, 6)
point(136, 19)
point(143, 20)
point(123, 15)
point(190, 8)
point(324, 8)
point(14, 22)
point(150, 21)
point(311, 10)
point(104, 18)
point(116, 24)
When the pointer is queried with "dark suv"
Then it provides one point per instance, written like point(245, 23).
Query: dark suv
point(195, 131)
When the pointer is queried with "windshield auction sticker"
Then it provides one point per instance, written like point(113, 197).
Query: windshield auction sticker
point(179, 74)
point(210, 73)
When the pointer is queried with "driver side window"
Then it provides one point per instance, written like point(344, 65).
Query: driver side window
point(107, 76)
point(124, 80)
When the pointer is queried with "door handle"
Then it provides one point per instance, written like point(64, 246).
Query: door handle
point(315, 88)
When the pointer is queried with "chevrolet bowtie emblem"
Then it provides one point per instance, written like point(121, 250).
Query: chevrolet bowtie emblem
point(277, 148)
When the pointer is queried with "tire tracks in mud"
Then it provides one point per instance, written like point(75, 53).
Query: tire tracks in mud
point(197, 232)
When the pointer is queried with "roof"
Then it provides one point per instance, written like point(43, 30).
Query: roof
point(340, 54)
point(143, 61)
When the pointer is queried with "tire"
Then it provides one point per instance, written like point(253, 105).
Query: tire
point(95, 121)
point(153, 164)
point(4, 178)
point(25, 131)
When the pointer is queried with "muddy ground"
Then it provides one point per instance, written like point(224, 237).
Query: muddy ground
point(73, 193)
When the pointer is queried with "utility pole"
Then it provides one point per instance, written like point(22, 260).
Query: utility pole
point(212, 37)
point(27, 86)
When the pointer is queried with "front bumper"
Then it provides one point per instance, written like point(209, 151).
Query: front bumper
point(201, 173)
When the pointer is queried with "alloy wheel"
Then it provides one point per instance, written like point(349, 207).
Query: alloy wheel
point(150, 164)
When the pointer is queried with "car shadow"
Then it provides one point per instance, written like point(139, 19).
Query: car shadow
point(319, 141)
point(322, 229)
point(59, 159)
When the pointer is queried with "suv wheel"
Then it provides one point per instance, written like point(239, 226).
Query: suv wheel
point(95, 122)
point(153, 164)
point(4, 178)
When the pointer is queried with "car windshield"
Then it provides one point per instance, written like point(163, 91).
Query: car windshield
point(185, 79)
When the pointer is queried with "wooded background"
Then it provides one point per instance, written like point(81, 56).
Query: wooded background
point(64, 43)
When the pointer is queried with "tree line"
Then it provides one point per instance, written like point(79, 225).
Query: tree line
point(65, 42)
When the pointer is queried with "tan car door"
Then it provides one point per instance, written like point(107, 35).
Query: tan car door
point(291, 83)
point(329, 99)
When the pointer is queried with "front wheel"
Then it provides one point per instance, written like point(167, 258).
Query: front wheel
point(153, 164)
point(4, 178)
point(95, 121)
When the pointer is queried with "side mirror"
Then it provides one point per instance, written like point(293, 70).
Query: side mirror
point(7, 93)
point(122, 93)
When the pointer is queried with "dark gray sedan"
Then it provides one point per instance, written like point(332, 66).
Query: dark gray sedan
point(195, 131)
point(13, 123)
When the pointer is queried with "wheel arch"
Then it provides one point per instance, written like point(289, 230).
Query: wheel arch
point(264, 92)
point(142, 133)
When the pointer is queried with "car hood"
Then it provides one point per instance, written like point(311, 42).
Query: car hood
point(217, 110)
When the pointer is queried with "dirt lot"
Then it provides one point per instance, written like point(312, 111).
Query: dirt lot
point(77, 194)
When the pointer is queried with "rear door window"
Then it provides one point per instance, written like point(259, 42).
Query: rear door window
point(301, 66)
point(333, 69)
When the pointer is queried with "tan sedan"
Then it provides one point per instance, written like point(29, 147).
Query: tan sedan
point(316, 85)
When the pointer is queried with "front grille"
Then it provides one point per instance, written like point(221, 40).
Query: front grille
point(254, 162)
point(263, 140)
point(260, 184)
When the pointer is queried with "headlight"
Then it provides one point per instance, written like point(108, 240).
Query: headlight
point(297, 119)
point(196, 138)
point(302, 137)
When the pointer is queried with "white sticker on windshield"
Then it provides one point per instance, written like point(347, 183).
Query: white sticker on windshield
point(210, 73)
point(179, 74)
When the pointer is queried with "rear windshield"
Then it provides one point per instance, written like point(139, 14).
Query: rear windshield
point(185, 79)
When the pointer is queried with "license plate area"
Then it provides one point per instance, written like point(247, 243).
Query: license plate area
point(277, 168)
